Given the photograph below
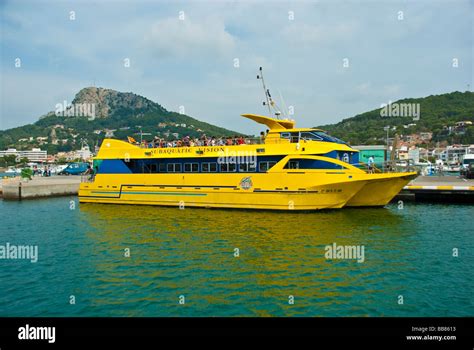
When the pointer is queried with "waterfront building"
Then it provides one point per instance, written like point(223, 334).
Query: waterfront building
point(33, 155)
point(378, 152)
point(453, 154)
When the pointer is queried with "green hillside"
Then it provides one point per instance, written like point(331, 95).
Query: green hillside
point(126, 113)
point(436, 112)
point(113, 110)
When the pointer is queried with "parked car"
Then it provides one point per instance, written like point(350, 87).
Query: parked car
point(74, 169)
point(470, 171)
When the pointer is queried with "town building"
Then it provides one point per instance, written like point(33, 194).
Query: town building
point(378, 152)
point(34, 155)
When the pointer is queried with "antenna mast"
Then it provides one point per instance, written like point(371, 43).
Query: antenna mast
point(270, 103)
point(285, 109)
point(265, 91)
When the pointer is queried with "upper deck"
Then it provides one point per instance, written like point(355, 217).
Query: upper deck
point(282, 138)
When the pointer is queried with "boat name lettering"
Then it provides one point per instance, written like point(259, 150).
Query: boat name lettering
point(186, 150)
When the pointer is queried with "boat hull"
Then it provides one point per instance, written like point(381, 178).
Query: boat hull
point(160, 190)
point(380, 189)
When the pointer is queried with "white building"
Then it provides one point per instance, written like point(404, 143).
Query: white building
point(35, 155)
point(453, 154)
point(84, 153)
point(109, 133)
point(414, 154)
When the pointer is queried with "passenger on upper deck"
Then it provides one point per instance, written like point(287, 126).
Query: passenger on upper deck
point(203, 140)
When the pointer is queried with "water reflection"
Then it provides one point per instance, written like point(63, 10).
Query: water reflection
point(191, 252)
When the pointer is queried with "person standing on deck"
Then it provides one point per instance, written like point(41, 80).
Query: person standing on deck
point(370, 163)
point(89, 171)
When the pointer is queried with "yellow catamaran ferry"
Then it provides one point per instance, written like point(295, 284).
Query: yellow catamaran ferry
point(291, 169)
point(294, 169)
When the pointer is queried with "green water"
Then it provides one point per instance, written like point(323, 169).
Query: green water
point(190, 252)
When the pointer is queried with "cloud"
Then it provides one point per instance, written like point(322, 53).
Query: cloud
point(317, 34)
point(187, 39)
point(190, 62)
point(25, 96)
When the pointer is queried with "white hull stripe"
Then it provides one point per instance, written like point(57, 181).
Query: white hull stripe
point(440, 188)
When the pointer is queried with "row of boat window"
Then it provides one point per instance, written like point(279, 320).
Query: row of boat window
point(211, 167)
point(138, 166)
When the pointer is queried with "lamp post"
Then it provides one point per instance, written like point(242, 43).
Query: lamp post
point(386, 128)
point(141, 133)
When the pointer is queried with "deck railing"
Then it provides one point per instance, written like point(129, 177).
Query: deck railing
point(248, 141)
point(390, 167)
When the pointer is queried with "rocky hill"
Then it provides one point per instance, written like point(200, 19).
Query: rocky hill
point(96, 113)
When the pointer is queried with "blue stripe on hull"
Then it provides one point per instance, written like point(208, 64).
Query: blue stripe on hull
point(158, 193)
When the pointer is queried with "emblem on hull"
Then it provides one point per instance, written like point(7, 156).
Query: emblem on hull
point(246, 183)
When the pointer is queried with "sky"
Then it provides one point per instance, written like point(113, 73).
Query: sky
point(326, 60)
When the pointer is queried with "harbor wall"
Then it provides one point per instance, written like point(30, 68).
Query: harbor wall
point(18, 189)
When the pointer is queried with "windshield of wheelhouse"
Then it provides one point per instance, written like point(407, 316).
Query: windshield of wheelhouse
point(328, 138)
point(318, 135)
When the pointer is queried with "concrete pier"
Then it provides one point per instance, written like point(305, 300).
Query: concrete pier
point(38, 187)
point(445, 189)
